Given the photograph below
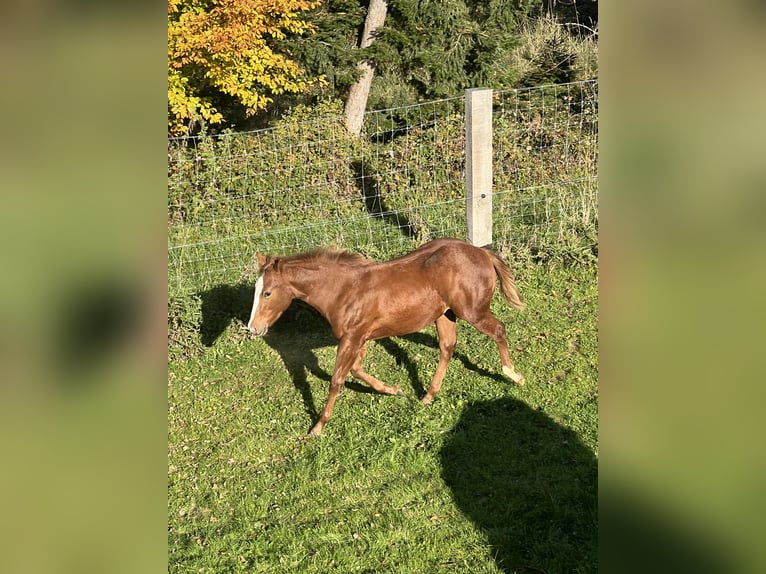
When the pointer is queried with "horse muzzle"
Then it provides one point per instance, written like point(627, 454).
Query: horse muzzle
point(258, 331)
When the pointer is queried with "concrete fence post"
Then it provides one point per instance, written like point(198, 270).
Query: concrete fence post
point(478, 167)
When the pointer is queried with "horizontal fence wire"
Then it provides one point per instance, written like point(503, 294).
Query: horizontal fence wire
point(304, 184)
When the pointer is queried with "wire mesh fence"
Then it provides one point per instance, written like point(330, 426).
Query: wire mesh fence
point(306, 183)
point(545, 166)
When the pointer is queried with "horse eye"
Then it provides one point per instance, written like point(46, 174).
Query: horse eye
point(267, 293)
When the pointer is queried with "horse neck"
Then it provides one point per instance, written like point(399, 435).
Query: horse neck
point(316, 285)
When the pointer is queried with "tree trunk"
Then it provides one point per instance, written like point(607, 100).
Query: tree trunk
point(356, 102)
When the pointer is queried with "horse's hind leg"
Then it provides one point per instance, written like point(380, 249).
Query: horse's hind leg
point(492, 327)
point(446, 327)
point(358, 371)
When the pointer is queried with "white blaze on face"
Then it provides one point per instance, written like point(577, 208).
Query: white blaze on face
point(256, 299)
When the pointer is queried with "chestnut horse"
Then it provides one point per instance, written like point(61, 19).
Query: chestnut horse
point(364, 300)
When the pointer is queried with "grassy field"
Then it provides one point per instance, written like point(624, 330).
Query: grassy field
point(489, 478)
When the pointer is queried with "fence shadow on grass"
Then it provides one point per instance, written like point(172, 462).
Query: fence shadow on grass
point(527, 483)
point(373, 201)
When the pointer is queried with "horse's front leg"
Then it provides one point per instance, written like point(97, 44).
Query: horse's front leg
point(358, 371)
point(344, 360)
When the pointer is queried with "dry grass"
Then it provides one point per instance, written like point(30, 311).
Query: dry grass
point(548, 48)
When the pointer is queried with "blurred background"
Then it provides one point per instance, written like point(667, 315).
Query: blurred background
point(681, 277)
point(82, 294)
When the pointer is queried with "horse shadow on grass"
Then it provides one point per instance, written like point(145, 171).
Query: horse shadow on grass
point(221, 306)
point(427, 340)
point(299, 332)
point(294, 336)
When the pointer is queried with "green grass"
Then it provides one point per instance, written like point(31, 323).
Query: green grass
point(489, 478)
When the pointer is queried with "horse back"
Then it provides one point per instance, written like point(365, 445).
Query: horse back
point(460, 274)
point(448, 261)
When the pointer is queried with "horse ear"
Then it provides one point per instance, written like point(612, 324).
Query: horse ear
point(261, 259)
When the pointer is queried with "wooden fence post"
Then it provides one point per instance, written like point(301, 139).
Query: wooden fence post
point(478, 166)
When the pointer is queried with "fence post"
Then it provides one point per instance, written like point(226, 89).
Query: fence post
point(478, 165)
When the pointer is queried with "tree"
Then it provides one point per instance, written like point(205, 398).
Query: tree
point(356, 102)
point(228, 48)
point(411, 49)
point(441, 47)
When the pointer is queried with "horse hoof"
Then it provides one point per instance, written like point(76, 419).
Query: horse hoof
point(427, 400)
point(315, 432)
point(517, 378)
point(399, 392)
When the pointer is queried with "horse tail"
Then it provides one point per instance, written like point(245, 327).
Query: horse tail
point(507, 282)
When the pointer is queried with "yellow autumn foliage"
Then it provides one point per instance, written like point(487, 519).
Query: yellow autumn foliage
point(227, 46)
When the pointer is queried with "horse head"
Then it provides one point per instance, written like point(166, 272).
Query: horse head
point(272, 296)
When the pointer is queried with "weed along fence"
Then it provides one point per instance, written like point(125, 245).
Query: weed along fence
point(513, 168)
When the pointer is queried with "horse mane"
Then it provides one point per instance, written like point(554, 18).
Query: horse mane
point(328, 255)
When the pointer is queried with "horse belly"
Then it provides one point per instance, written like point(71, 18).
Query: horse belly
point(404, 315)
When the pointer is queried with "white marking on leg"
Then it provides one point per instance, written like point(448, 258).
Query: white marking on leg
point(517, 378)
point(256, 299)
